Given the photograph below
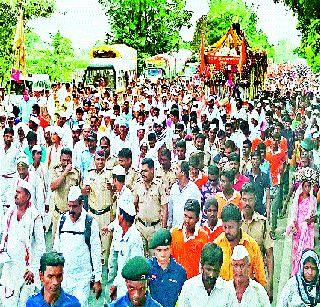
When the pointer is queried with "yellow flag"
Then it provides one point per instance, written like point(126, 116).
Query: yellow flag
point(19, 45)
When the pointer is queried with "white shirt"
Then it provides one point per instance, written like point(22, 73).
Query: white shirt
point(193, 294)
point(123, 248)
point(255, 295)
point(8, 160)
point(177, 200)
point(76, 252)
point(23, 235)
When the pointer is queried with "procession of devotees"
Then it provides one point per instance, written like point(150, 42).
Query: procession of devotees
point(167, 194)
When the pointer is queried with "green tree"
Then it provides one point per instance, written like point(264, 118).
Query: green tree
point(308, 13)
point(8, 21)
point(221, 16)
point(150, 26)
point(57, 59)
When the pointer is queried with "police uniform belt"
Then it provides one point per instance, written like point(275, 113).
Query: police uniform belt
point(148, 224)
point(58, 210)
point(100, 212)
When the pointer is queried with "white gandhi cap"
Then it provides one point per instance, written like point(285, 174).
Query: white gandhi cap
point(25, 185)
point(74, 193)
point(118, 170)
point(239, 253)
point(127, 206)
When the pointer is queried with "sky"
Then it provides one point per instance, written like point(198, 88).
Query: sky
point(85, 22)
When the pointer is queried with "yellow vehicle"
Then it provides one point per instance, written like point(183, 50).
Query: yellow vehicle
point(114, 65)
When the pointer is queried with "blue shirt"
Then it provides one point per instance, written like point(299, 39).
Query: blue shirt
point(260, 183)
point(64, 300)
point(86, 161)
point(29, 154)
point(165, 285)
point(124, 301)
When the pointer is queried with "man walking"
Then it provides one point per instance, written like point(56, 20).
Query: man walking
point(78, 239)
point(22, 246)
point(51, 276)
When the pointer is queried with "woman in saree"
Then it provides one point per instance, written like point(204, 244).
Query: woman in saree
point(303, 289)
point(303, 215)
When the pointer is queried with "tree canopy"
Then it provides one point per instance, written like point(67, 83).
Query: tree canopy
point(57, 59)
point(150, 26)
point(8, 21)
point(221, 16)
point(308, 13)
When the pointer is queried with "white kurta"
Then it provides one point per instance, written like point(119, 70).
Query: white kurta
point(24, 237)
point(77, 268)
point(255, 295)
point(123, 248)
point(193, 293)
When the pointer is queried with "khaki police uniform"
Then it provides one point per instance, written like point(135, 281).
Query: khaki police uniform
point(150, 204)
point(100, 204)
point(167, 178)
point(111, 162)
point(132, 176)
point(259, 229)
point(59, 197)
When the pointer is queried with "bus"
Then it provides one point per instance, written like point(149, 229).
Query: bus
point(113, 65)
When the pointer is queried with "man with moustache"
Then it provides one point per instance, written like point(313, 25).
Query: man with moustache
point(233, 235)
point(8, 157)
point(51, 276)
point(150, 200)
point(245, 291)
point(78, 239)
point(21, 248)
point(207, 288)
point(258, 227)
point(97, 186)
point(63, 176)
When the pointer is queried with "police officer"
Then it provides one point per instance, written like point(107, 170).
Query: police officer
point(63, 176)
point(97, 185)
point(167, 276)
point(136, 272)
point(150, 201)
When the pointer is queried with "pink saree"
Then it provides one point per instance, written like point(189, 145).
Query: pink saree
point(302, 210)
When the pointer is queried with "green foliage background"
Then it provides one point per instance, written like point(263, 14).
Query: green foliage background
point(308, 12)
point(222, 14)
point(8, 22)
point(150, 26)
point(57, 59)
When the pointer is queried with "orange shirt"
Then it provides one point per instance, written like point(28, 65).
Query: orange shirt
point(187, 252)
point(256, 260)
point(201, 181)
point(213, 233)
point(222, 201)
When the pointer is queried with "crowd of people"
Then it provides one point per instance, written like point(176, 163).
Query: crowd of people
point(170, 192)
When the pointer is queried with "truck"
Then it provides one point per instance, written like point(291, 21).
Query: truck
point(113, 65)
point(166, 65)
